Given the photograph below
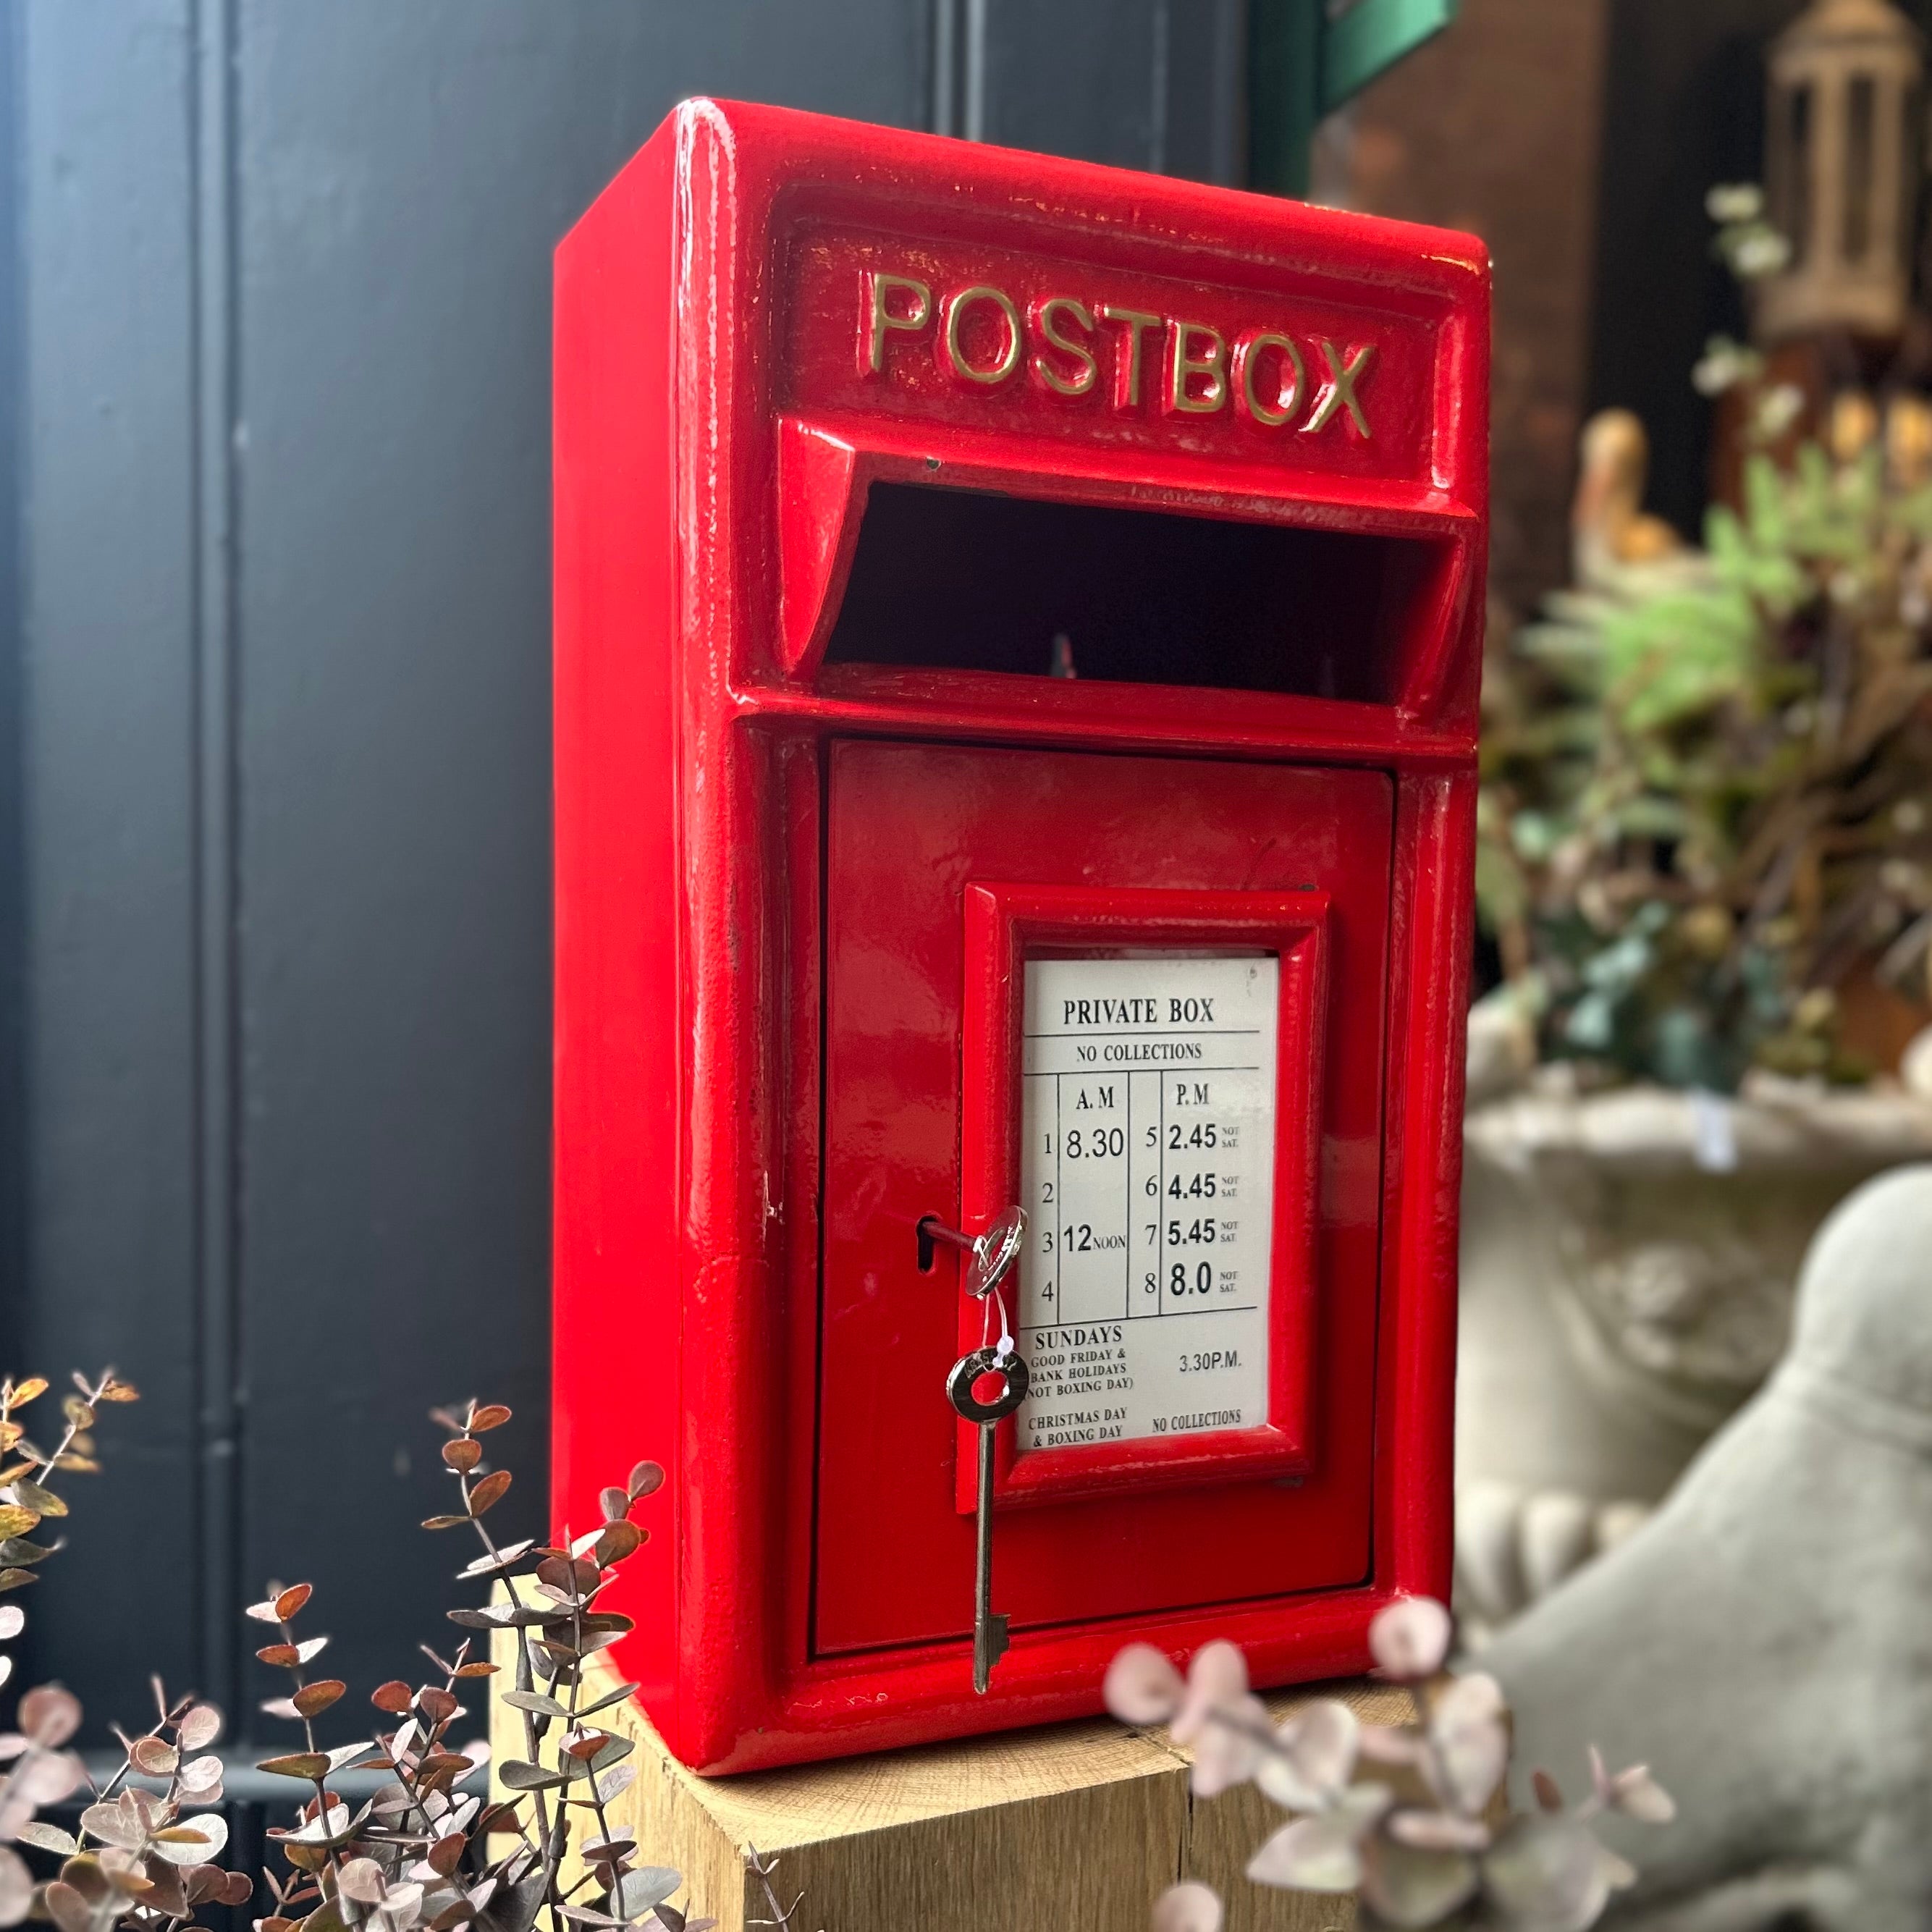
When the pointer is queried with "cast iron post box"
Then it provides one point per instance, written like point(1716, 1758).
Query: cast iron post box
point(1017, 629)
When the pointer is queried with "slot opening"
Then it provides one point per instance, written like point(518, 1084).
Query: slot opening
point(967, 580)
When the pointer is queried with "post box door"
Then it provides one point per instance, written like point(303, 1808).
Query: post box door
point(917, 836)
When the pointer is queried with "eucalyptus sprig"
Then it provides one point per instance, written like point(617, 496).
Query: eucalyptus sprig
point(417, 1855)
point(1409, 1818)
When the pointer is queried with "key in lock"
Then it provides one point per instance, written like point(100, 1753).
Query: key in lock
point(991, 1253)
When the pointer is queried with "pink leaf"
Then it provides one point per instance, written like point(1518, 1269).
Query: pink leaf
point(50, 1778)
point(194, 1841)
point(1438, 1831)
point(1637, 1793)
point(1142, 1686)
point(1405, 1885)
point(1393, 1744)
point(48, 1715)
point(200, 1727)
point(1316, 1757)
point(17, 1887)
point(1189, 1906)
point(1228, 1747)
point(361, 1879)
point(1218, 1675)
point(1319, 1854)
point(113, 1825)
point(1548, 1872)
point(1410, 1638)
point(1471, 1744)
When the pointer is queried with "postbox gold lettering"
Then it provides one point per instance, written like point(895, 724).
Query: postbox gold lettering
point(1073, 349)
point(914, 312)
point(1194, 350)
point(1340, 393)
point(956, 308)
point(1047, 324)
point(1127, 362)
point(1249, 349)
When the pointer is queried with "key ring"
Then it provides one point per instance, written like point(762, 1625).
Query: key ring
point(992, 1252)
point(969, 1369)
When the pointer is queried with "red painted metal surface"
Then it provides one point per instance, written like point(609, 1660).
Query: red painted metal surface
point(798, 859)
point(912, 828)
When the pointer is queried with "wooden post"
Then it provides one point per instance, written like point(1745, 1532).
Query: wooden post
point(1069, 1825)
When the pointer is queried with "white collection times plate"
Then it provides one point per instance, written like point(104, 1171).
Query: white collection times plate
point(1147, 1173)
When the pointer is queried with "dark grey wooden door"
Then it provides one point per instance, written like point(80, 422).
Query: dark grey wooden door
point(275, 776)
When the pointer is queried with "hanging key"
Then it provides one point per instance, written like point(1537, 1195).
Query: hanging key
point(989, 1629)
point(991, 1255)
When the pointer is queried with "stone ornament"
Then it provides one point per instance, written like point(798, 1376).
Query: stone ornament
point(1515, 1545)
point(1762, 1638)
point(1681, 1218)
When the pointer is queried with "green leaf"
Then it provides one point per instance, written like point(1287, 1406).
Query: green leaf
point(1502, 891)
point(1590, 1023)
point(1724, 537)
point(609, 1698)
point(638, 1891)
point(534, 1701)
point(1649, 817)
point(1764, 503)
point(502, 1616)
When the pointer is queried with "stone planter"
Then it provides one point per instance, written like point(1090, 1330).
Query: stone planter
point(1629, 1263)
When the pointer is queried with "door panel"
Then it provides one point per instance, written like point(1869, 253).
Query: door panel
point(910, 828)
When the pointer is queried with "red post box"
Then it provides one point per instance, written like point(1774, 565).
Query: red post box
point(1017, 630)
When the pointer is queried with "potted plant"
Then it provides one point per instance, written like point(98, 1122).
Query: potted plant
point(1706, 860)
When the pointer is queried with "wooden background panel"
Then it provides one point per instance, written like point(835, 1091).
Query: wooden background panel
point(1153, 84)
point(280, 635)
point(13, 1030)
point(108, 946)
point(404, 173)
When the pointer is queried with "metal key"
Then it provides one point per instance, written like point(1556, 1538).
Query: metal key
point(989, 1629)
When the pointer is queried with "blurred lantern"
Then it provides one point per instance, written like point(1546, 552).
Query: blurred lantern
point(1843, 168)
